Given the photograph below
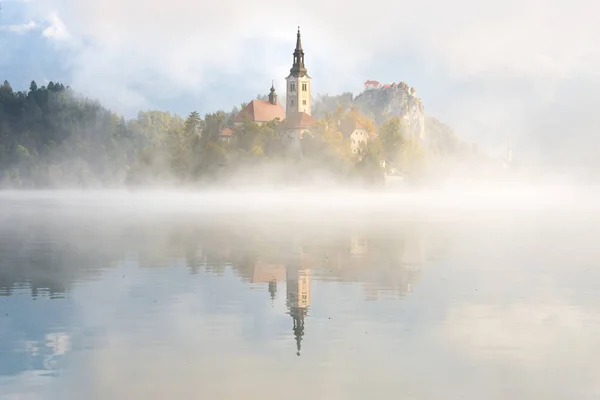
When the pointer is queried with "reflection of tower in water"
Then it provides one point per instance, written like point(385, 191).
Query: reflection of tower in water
point(273, 289)
point(298, 300)
point(268, 273)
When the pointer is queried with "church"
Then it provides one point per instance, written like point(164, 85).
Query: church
point(296, 117)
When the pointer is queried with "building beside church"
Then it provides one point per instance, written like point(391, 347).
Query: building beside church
point(358, 134)
point(225, 135)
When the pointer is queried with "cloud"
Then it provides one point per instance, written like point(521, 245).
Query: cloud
point(20, 28)
point(56, 28)
point(483, 67)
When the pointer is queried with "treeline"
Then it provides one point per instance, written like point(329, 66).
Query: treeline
point(52, 137)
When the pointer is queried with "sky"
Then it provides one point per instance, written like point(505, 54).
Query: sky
point(525, 71)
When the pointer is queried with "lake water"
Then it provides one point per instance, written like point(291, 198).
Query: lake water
point(479, 295)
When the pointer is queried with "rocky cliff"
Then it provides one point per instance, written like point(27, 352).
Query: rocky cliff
point(381, 103)
point(394, 101)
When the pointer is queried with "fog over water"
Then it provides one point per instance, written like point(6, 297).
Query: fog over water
point(489, 292)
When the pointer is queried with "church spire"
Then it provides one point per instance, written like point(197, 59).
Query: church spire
point(298, 41)
point(272, 94)
point(298, 68)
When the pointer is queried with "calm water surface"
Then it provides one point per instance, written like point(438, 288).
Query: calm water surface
point(158, 297)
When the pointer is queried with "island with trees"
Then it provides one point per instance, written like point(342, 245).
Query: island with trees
point(52, 137)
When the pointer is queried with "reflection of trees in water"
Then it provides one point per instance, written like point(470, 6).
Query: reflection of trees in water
point(50, 253)
point(44, 255)
point(47, 254)
point(385, 261)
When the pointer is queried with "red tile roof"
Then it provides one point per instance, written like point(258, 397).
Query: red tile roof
point(226, 132)
point(371, 82)
point(300, 120)
point(261, 111)
point(387, 86)
point(264, 273)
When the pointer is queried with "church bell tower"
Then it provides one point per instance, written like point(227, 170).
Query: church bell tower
point(298, 84)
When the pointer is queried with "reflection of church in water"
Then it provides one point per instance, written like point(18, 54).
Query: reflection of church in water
point(386, 268)
point(297, 292)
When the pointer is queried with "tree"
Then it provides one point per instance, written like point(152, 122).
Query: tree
point(367, 123)
point(368, 166)
point(392, 136)
point(247, 135)
point(257, 151)
point(413, 161)
point(6, 87)
point(213, 124)
point(193, 124)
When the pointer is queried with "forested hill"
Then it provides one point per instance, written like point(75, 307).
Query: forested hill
point(52, 137)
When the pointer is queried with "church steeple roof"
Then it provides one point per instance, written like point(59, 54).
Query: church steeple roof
point(273, 95)
point(298, 41)
point(298, 68)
